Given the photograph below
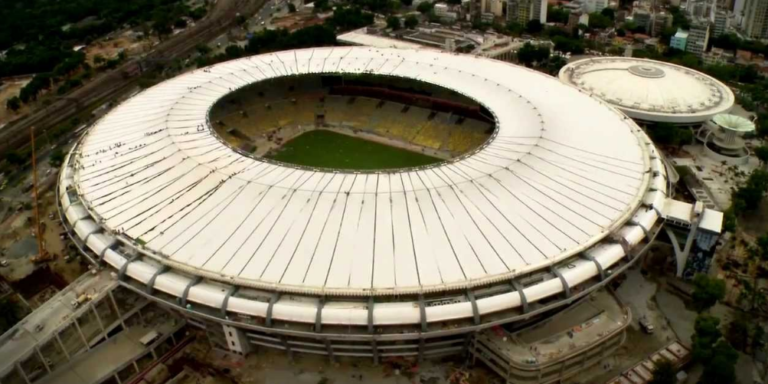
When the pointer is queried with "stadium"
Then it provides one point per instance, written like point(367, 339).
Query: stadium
point(651, 91)
point(495, 195)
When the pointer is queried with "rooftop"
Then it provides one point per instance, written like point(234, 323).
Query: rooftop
point(651, 90)
point(561, 172)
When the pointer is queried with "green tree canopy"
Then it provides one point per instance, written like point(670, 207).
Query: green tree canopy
point(707, 292)
point(411, 22)
point(599, 21)
point(721, 368)
point(609, 13)
point(665, 372)
point(424, 7)
point(13, 103)
point(393, 22)
point(10, 313)
point(534, 27)
point(706, 334)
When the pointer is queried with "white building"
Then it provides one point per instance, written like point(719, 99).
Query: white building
point(698, 37)
point(722, 23)
point(755, 23)
point(523, 11)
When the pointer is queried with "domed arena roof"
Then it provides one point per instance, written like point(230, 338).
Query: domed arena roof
point(650, 90)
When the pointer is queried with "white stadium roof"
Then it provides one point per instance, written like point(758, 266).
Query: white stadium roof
point(562, 172)
point(650, 90)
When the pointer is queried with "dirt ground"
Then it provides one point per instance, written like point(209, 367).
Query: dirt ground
point(8, 90)
point(109, 49)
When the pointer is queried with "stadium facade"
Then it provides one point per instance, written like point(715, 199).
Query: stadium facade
point(565, 195)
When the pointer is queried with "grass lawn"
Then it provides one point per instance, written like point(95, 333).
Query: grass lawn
point(333, 150)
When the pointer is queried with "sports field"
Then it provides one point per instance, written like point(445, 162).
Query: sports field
point(333, 150)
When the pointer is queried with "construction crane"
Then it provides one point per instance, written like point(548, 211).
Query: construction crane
point(42, 254)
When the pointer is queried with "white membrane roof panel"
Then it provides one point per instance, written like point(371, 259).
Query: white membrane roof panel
point(561, 171)
point(650, 90)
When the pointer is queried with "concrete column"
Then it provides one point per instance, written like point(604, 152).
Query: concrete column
point(98, 318)
point(23, 374)
point(117, 310)
point(42, 358)
point(82, 336)
point(63, 348)
point(141, 317)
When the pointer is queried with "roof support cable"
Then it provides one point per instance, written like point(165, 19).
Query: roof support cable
point(599, 266)
point(319, 315)
point(566, 287)
point(475, 311)
point(422, 313)
point(521, 292)
point(275, 297)
point(196, 280)
point(151, 283)
point(232, 291)
point(370, 314)
point(124, 267)
point(104, 251)
point(645, 230)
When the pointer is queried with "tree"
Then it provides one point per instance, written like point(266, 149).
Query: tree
point(721, 369)
point(13, 104)
point(707, 292)
point(180, 23)
point(609, 13)
point(557, 15)
point(599, 21)
point(321, 6)
point(57, 158)
point(749, 195)
point(706, 334)
point(424, 7)
point(758, 338)
point(9, 314)
point(406, 3)
point(665, 372)
point(737, 334)
point(411, 22)
point(534, 27)
point(555, 63)
point(393, 23)
point(514, 28)
point(530, 54)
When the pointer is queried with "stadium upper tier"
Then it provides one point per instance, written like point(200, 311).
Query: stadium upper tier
point(651, 90)
point(565, 177)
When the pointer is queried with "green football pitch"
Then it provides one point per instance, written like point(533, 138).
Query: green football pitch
point(333, 150)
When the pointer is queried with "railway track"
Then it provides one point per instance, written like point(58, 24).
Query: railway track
point(110, 85)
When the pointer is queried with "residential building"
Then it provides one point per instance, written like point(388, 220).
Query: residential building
point(717, 56)
point(698, 37)
point(660, 21)
point(679, 40)
point(523, 11)
point(642, 18)
point(595, 5)
point(722, 23)
point(576, 18)
point(756, 19)
point(445, 13)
